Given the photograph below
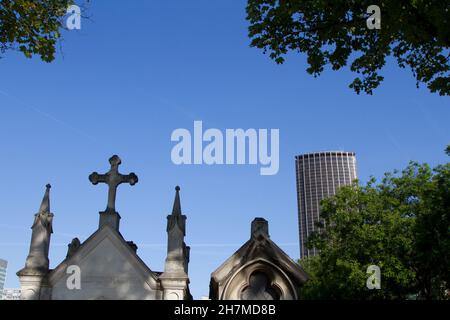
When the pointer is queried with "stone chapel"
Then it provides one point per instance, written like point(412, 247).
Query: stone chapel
point(110, 268)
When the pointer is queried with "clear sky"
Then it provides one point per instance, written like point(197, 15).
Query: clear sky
point(136, 71)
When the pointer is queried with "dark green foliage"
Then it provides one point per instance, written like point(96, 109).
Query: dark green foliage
point(32, 26)
point(415, 32)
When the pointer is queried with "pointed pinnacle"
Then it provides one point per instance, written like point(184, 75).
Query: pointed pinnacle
point(45, 205)
point(177, 204)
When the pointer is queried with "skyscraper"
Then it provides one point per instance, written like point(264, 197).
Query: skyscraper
point(3, 266)
point(319, 175)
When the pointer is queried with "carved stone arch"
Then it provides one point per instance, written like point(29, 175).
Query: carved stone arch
point(278, 279)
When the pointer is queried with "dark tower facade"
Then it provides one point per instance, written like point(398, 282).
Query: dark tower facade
point(319, 175)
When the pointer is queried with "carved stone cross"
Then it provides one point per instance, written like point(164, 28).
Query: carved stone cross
point(113, 179)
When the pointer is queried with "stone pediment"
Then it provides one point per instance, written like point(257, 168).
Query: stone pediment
point(109, 269)
point(105, 266)
point(265, 250)
point(258, 255)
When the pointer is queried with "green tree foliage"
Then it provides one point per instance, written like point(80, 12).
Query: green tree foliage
point(32, 26)
point(415, 32)
point(401, 225)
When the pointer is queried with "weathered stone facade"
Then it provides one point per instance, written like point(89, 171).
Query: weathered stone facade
point(259, 270)
point(109, 266)
point(110, 269)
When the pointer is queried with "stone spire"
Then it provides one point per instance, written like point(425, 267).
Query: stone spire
point(176, 204)
point(45, 205)
point(176, 218)
point(42, 228)
point(37, 263)
point(176, 229)
point(175, 277)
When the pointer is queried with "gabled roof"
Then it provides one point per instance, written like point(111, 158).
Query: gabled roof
point(260, 248)
point(119, 242)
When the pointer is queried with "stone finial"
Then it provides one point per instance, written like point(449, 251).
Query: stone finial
point(175, 280)
point(113, 179)
point(73, 247)
point(45, 205)
point(44, 217)
point(177, 203)
point(132, 245)
point(176, 218)
point(37, 262)
point(260, 227)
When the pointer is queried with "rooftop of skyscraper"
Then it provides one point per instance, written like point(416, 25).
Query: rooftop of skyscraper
point(329, 152)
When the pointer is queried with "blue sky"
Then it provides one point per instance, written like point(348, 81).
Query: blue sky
point(138, 70)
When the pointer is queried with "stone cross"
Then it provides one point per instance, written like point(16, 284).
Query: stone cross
point(113, 179)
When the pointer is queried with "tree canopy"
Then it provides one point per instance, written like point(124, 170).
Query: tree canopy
point(415, 32)
point(32, 26)
point(401, 225)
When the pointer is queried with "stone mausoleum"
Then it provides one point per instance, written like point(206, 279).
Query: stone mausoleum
point(110, 268)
